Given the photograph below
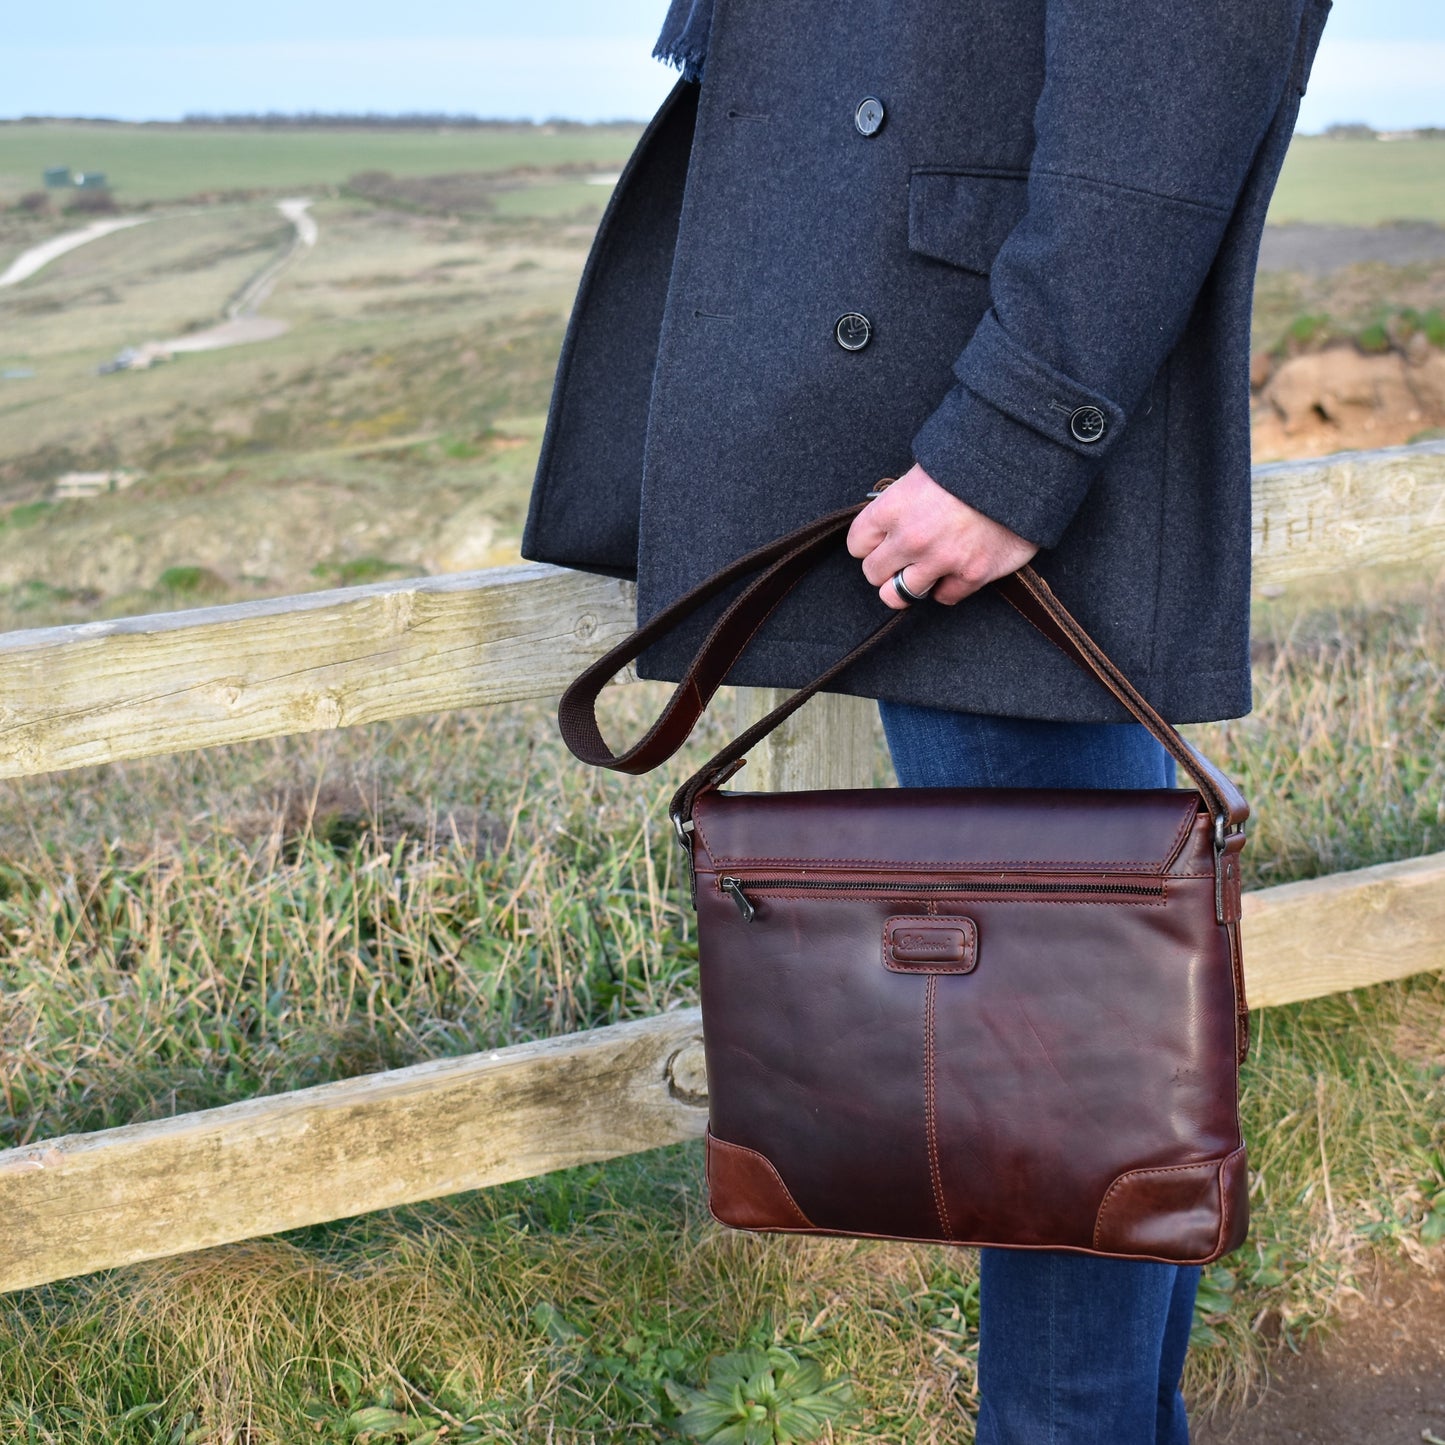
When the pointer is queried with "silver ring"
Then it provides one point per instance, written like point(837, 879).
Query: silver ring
point(903, 590)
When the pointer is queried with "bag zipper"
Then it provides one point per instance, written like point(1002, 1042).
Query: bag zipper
point(733, 886)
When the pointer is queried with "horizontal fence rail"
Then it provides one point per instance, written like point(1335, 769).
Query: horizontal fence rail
point(91, 1201)
point(101, 692)
point(98, 692)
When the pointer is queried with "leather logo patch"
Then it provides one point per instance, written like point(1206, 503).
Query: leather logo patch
point(928, 943)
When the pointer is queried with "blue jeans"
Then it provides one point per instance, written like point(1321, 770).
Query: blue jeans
point(1073, 1350)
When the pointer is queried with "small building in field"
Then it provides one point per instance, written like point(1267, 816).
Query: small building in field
point(75, 485)
point(58, 177)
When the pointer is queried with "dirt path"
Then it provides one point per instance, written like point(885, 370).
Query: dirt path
point(27, 263)
point(1378, 1380)
point(242, 324)
point(1322, 249)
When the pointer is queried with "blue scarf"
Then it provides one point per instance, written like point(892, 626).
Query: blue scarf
point(683, 41)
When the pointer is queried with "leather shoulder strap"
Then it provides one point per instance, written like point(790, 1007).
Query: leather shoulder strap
point(783, 563)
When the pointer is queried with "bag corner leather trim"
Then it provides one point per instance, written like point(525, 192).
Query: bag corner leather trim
point(745, 1190)
point(1188, 1213)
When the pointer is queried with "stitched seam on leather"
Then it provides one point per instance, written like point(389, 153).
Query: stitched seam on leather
point(963, 865)
point(747, 641)
point(1185, 828)
point(699, 833)
point(1092, 900)
point(1224, 1199)
point(929, 1091)
point(966, 964)
point(1241, 1002)
point(1124, 1178)
point(1223, 1207)
point(768, 1165)
point(1178, 754)
point(893, 966)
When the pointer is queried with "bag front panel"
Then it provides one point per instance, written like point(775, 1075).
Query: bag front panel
point(1091, 1036)
point(1091, 1040)
point(814, 1056)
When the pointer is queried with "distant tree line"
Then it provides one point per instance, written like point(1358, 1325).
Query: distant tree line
point(377, 120)
point(1358, 130)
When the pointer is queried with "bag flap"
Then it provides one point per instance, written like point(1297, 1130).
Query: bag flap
point(963, 217)
point(970, 829)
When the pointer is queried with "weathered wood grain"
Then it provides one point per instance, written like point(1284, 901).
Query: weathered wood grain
point(90, 1201)
point(99, 691)
point(1353, 509)
point(1305, 940)
point(832, 741)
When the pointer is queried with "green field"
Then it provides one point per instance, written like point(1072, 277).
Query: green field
point(163, 162)
point(1356, 182)
point(1361, 182)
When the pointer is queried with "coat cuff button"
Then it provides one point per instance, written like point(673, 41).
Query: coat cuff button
point(853, 331)
point(1086, 424)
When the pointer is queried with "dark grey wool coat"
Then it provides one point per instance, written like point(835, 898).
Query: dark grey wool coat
point(1047, 217)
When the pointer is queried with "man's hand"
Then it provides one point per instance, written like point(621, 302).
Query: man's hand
point(917, 525)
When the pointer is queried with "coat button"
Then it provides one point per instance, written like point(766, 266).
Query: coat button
point(854, 331)
point(869, 115)
point(1086, 424)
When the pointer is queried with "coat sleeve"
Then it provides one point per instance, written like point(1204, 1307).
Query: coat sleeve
point(1145, 130)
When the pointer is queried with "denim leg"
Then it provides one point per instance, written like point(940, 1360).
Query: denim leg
point(1073, 1350)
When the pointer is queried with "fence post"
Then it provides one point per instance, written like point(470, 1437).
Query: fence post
point(832, 741)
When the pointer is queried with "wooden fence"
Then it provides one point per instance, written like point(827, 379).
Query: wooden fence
point(103, 691)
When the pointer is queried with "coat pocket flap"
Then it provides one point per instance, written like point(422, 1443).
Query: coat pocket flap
point(962, 217)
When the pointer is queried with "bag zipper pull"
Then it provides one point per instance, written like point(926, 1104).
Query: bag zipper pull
point(734, 887)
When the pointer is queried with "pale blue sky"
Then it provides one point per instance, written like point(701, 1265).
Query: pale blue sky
point(1381, 61)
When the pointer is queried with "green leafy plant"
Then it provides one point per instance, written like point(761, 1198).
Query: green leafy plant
point(1432, 1226)
point(359, 570)
point(1305, 333)
point(761, 1397)
point(190, 581)
point(389, 1417)
point(1373, 339)
point(1243, 1279)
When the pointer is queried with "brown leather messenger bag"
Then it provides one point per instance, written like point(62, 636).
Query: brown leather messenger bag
point(970, 1016)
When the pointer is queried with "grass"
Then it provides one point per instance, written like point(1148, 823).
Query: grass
point(166, 163)
point(1360, 182)
point(187, 931)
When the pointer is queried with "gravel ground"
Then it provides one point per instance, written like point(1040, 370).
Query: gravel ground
point(1322, 249)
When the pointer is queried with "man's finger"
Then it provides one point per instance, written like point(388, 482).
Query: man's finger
point(915, 577)
point(951, 590)
point(886, 558)
point(867, 530)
